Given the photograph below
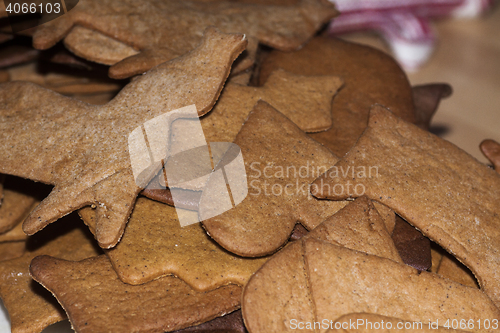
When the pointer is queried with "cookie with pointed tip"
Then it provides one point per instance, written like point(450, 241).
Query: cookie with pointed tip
point(95, 299)
point(328, 281)
point(413, 247)
point(370, 76)
point(163, 30)
point(87, 158)
point(358, 226)
point(145, 252)
point(451, 268)
point(426, 98)
point(418, 174)
point(11, 250)
point(365, 323)
point(280, 162)
point(491, 149)
point(30, 307)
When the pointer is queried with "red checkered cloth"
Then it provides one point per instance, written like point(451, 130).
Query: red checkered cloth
point(404, 24)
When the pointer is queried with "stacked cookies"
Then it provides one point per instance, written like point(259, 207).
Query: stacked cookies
point(337, 205)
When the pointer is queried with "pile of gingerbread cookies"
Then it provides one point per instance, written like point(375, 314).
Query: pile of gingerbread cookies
point(353, 211)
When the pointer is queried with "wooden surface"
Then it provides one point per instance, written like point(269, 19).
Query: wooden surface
point(468, 58)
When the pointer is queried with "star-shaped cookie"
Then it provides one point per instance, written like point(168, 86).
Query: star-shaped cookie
point(82, 149)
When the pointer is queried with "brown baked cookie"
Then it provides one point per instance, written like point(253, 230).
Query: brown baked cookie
point(312, 280)
point(274, 151)
point(87, 158)
point(370, 76)
point(491, 149)
point(163, 30)
point(154, 245)
point(434, 185)
point(413, 247)
point(31, 308)
point(95, 300)
point(426, 98)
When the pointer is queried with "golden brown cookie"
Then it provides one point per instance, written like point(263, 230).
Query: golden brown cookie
point(31, 308)
point(162, 30)
point(434, 185)
point(370, 76)
point(97, 301)
point(154, 245)
point(280, 161)
point(87, 158)
point(312, 280)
